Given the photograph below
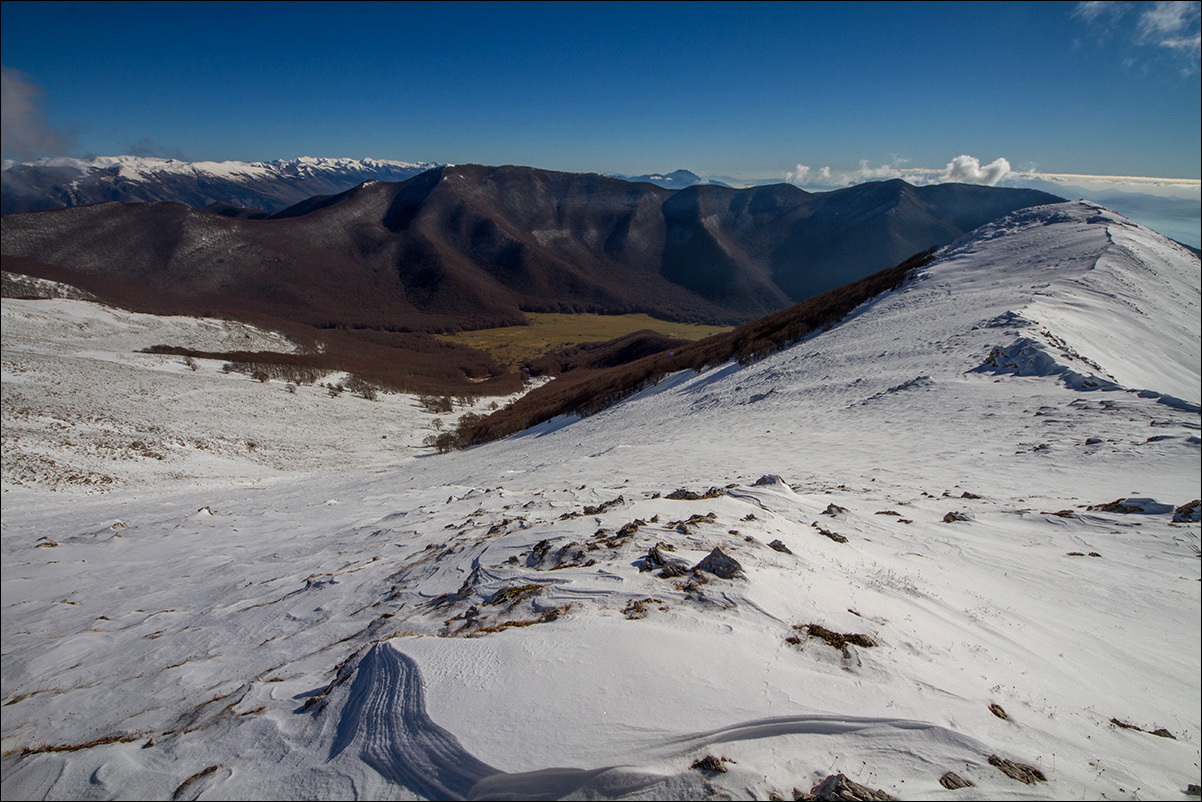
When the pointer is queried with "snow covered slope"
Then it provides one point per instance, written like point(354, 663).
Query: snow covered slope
point(481, 625)
point(273, 185)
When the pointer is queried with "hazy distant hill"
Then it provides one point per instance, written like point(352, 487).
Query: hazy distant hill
point(677, 179)
point(61, 182)
point(472, 246)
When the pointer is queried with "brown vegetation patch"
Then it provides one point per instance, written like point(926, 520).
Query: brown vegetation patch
point(388, 360)
point(510, 597)
point(837, 640)
point(635, 610)
point(545, 618)
point(195, 778)
point(712, 764)
point(38, 749)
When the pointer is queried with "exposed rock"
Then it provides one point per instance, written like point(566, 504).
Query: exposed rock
point(1018, 771)
point(1193, 790)
point(998, 711)
point(837, 788)
point(675, 569)
point(685, 527)
point(777, 545)
point(684, 494)
point(1188, 512)
point(833, 509)
point(968, 495)
point(1163, 733)
point(603, 506)
point(631, 528)
point(952, 517)
point(951, 781)
point(768, 479)
point(1129, 506)
point(720, 564)
point(835, 536)
point(657, 559)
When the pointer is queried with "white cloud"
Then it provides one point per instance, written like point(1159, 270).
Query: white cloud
point(804, 176)
point(968, 170)
point(24, 131)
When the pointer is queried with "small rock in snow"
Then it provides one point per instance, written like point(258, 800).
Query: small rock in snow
point(720, 564)
point(838, 787)
point(951, 781)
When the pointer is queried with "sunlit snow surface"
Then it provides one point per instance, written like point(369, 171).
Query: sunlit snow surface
point(306, 633)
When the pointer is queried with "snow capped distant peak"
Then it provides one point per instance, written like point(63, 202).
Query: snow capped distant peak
point(62, 181)
point(155, 164)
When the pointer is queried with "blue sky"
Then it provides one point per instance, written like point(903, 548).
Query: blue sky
point(744, 90)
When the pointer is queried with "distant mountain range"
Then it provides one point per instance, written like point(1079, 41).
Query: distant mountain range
point(274, 185)
point(472, 246)
point(58, 183)
point(677, 179)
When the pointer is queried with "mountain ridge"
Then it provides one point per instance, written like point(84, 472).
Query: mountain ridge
point(473, 246)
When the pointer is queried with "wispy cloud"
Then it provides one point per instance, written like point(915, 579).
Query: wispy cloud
point(24, 131)
point(1175, 25)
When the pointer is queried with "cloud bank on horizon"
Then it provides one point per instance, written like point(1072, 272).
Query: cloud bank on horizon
point(963, 169)
point(966, 169)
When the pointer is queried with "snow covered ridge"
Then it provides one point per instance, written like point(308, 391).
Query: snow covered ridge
point(858, 556)
point(1111, 303)
point(58, 182)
